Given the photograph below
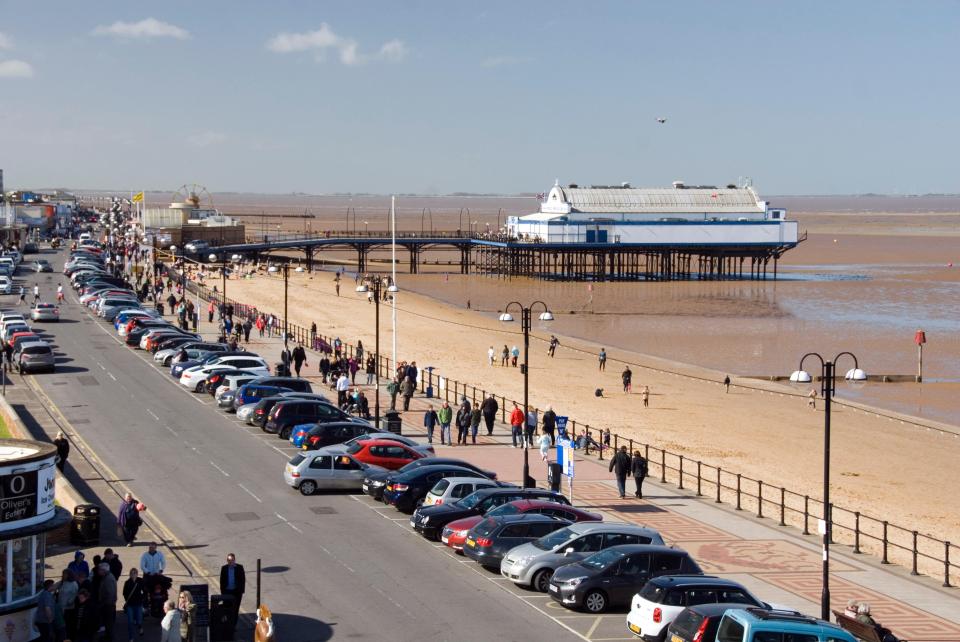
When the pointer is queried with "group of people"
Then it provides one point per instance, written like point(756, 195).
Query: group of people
point(467, 422)
point(508, 356)
point(622, 465)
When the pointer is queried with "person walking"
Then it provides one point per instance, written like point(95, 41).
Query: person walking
point(247, 327)
point(43, 617)
point(504, 354)
point(554, 342)
point(639, 469)
point(393, 388)
point(489, 408)
point(128, 519)
point(445, 416)
point(66, 593)
point(313, 334)
point(8, 356)
point(627, 377)
point(86, 620)
point(211, 308)
point(299, 358)
point(516, 425)
point(261, 323)
point(113, 560)
point(188, 614)
point(358, 353)
point(325, 367)
point(233, 581)
point(353, 365)
point(620, 467)
point(463, 421)
point(545, 443)
point(343, 385)
point(603, 359)
point(170, 624)
point(430, 421)
point(134, 597)
point(491, 354)
point(514, 356)
point(371, 370)
point(531, 426)
point(726, 383)
point(406, 391)
point(645, 396)
point(23, 296)
point(36, 294)
point(475, 416)
point(60, 293)
point(550, 424)
point(812, 398)
point(63, 450)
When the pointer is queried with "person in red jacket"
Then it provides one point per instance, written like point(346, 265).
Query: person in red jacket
point(516, 425)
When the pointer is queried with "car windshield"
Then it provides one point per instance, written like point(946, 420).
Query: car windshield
point(603, 559)
point(36, 350)
point(354, 449)
point(506, 509)
point(471, 500)
point(554, 539)
point(440, 487)
point(296, 459)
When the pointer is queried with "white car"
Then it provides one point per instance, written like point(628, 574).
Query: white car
point(452, 489)
point(663, 598)
point(233, 382)
point(193, 377)
point(245, 412)
point(6, 284)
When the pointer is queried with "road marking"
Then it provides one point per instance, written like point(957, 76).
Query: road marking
point(172, 431)
point(152, 414)
point(225, 473)
point(110, 374)
point(593, 628)
point(301, 532)
point(247, 490)
point(101, 366)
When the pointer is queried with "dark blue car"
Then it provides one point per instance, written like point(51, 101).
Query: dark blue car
point(252, 393)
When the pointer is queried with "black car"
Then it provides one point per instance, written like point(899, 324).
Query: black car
point(406, 490)
point(700, 622)
point(136, 333)
point(290, 383)
point(376, 480)
point(612, 576)
point(215, 379)
point(430, 520)
point(489, 541)
point(174, 342)
point(336, 432)
point(291, 412)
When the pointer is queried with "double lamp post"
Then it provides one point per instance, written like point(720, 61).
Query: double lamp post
point(378, 285)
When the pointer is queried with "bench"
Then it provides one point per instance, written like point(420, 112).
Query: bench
point(857, 628)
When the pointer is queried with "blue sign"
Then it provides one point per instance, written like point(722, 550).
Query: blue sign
point(565, 456)
point(562, 427)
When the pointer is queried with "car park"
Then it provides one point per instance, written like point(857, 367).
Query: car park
point(430, 520)
point(291, 412)
point(487, 542)
point(316, 436)
point(756, 625)
point(10, 329)
point(455, 533)
point(323, 470)
point(662, 599)
point(33, 356)
point(45, 312)
point(406, 490)
point(533, 564)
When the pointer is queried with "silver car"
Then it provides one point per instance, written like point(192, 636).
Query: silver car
point(324, 470)
point(35, 355)
point(45, 312)
point(533, 564)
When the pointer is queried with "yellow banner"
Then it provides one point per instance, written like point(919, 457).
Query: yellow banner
point(137, 198)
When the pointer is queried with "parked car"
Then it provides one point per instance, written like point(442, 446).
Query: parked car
point(290, 383)
point(455, 533)
point(45, 312)
point(316, 436)
point(289, 413)
point(254, 393)
point(406, 490)
point(6, 284)
point(454, 489)
point(430, 520)
point(33, 356)
point(193, 378)
point(662, 599)
point(752, 624)
point(322, 470)
point(384, 453)
point(375, 482)
point(487, 542)
point(612, 576)
point(533, 564)
point(194, 350)
point(696, 623)
point(41, 265)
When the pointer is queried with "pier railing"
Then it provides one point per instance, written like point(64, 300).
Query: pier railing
point(862, 532)
point(372, 234)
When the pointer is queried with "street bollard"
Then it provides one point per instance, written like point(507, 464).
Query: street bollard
point(681, 472)
point(946, 564)
point(759, 498)
point(913, 571)
point(738, 492)
point(699, 494)
point(856, 531)
point(718, 484)
point(884, 560)
point(806, 514)
point(783, 497)
point(663, 466)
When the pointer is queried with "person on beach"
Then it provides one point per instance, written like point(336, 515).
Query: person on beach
point(550, 424)
point(603, 359)
point(544, 443)
point(645, 396)
point(554, 342)
point(475, 416)
point(299, 358)
point(491, 354)
point(406, 391)
point(531, 426)
point(430, 421)
point(627, 377)
point(620, 467)
point(812, 398)
point(516, 425)
point(639, 469)
point(446, 416)
point(514, 355)
point(463, 421)
point(504, 354)
point(726, 383)
point(336, 286)
point(489, 408)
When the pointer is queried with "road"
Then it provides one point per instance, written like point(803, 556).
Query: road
point(335, 565)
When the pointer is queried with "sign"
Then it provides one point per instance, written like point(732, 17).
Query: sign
point(920, 337)
point(18, 496)
point(562, 426)
point(565, 456)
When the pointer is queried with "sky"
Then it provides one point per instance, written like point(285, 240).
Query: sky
point(503, 97)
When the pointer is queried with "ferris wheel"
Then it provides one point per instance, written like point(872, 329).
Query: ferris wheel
point(196, 195)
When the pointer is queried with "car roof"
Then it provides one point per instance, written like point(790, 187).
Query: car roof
point(426, 470)
point(713, 609)
point(614, 527)
point(330, 425)
point(541, 503)
point(31, 344)
point(627, 549)
point(785, 621)
point(526, 517)
point(383, 442)
point(502, 491)
point(696, 580)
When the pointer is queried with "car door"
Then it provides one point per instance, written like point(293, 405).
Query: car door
point(512, 535)
point(320, 471)
point(399, 456)
point(582, 546)
point(347, 472)
point(627, 577)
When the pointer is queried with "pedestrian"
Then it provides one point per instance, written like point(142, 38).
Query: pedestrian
point(406, 391)
point(63, 450)
point(134, 597)
point(343, 385)
point(313, 333)
point(113, 560)
point(233, 581)
point(550, 424)
point(504, 355)
point(627, 377)
point(489, 408)
point(8, 356)
point(353, 365)
point(606, 437)
point(188, 613)
point(812, 398)
point(463, 421)
point(337, 347)
point(261, 323)
point(554, 342)
point(531, 426)
point(516, 425)
point(23, 296)
point(645, 396)
point(603, 359)
point(620, 467)
point(545, 443)
point(43, 617)
point(336, 286)
point(86, 620)
point(393, 388)
point(128, 519)
point(36, 294)
point(170, 624)
point(325, 367)
point(66, 593)
point(299, 358)
point(247, 327)
point(107, 599)
point(726, 383)
point(446, 417)
point(430, 421)
point(358, 353)
point(371, 369)
point(413, 372)
point(514, 355)
point(60, 293)
point(491, 354)
point(210, 310)
point(475, 416)
point(79, 567)
point(639, 469)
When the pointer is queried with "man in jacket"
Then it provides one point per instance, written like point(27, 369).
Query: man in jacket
point(620, 466)
point(489, 408)
point(107, 599)
point(638, 468)
point(463, 421)
point(430, 421)
point(406, 391)
point(516, 425)
point(446, 416)
point(550, 424)
point(475, 416)
point(170, 625)
point(299, 358)
point(393, 388)
point(233, 581)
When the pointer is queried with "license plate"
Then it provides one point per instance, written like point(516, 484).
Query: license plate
point(413, 523)
point(471, 543)
point(674, 638)
point(636, 629)
point(445, 539)
point(554, 588)
point(366, 488)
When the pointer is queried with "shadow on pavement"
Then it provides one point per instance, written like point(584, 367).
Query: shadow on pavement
point(297, 628)
point(64, 369)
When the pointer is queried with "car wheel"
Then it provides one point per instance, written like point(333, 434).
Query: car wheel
point(542, 580)
point(285, 433)
point(199, 387)
point(595, 602)
point(308, 487)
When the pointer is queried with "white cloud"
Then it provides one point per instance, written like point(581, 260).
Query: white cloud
point(146, 28)
point(15, 69)
point(207, 139)
point(324, 40)
point(5, 42)
point(502, 61)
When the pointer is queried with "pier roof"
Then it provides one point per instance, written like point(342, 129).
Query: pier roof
point(652, 200)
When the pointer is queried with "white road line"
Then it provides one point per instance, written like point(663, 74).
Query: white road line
point(301, 532)
point(172, 431)
point(281, 517)
point(152, 414)
point(247, 490)
point(225, 473)
point(101, 366)
point(110, 374)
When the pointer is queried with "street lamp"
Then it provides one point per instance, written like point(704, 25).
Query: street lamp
point(827, 383)
point(526, 315)
point(223, 294)
point(377, 284)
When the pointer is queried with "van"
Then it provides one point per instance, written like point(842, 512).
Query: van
point(774, 625)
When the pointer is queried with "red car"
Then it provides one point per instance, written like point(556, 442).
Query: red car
point(383, 452)
point(455, 532)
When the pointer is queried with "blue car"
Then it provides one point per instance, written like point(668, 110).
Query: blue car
point(252, 393)
point(299, 434)
point(177, 367)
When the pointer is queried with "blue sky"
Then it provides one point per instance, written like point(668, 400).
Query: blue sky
point(436, 97)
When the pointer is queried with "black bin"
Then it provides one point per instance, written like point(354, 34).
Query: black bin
point(223, 618)
point(85, 527)
point(554, 475)
point(393, 421)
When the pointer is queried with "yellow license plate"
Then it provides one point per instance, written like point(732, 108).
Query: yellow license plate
point(635, 628)
point(303, 447)
point(471, 543)
point(676, 638)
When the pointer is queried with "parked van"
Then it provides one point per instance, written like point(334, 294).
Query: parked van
point(769, 625)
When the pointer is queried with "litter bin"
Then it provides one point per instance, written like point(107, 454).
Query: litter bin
point(393, 421)
point(281, 369)
point(85, 527)
point(429, 392)
point(554, 475)
point(223, 618)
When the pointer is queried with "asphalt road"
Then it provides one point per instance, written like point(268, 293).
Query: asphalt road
point(334, 567)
